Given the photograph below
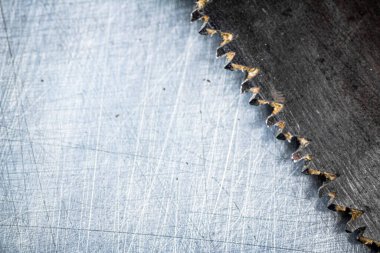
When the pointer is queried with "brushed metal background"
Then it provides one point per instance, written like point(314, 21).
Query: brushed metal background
point(121, 132)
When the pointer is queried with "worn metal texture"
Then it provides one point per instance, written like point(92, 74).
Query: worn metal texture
point(319, 70)
point(121, 132)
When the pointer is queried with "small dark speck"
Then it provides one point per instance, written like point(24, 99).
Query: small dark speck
point(176, 178)
point(267, 47)
point(355, 86)
point(187, 163)
point(42, 80)
point(163, 88)
point(208, 81)
point(321, 60)
point(117, 115)
point(287, 12)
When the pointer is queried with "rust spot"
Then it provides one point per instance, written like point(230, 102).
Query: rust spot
point(227, 38)
point(230, 56)
point(211, 31)
point(330, 176)
point(369, 242)
point(355, 213)
point(303, 141)
point(255, 90)
point(277, 107)
point(281, 124)
point(201, 4)
point(297, 156)
point(332, 195)
point(262, 102)
point(340, 208)
point(205, 18)
point(252, 72)
point(288, 136)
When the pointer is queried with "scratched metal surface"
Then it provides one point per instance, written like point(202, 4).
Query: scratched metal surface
point(121, 132)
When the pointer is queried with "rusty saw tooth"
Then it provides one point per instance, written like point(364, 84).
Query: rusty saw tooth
point(282, 132)
point(328, 189)
point(233, 62)
point(225, 49)
point(356, 221)
point(250, 72)
point(246, 86)
point(301, 155)
point(196, 15)
point(207, 29)
point(274, 117)
point(255, 99)
point(284, 136)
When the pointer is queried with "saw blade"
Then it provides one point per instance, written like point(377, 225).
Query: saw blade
point(317, 64)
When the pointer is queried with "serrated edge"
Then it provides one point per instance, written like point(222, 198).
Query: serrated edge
point(298, 155)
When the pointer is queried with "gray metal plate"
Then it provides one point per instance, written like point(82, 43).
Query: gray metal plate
point(121, 132)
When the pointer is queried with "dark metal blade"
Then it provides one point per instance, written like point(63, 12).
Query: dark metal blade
point(319, 65)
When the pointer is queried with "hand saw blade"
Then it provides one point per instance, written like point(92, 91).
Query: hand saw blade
point(317, 64)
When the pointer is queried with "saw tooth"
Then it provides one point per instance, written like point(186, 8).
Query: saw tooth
point(300, 155)
point(272, 119)
point(207, 29)
point(276, 109)
point(284, 135)
point(245, 86)
point(233, 61)
point(329, 189)
point(282, 132)
point(356, 221)
point(255, 100)
point(337, 208)
point(248, 86)
point(335, 205)
point(229, 66)
point(196, 15)
point(220, 51)
point(225, 49)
